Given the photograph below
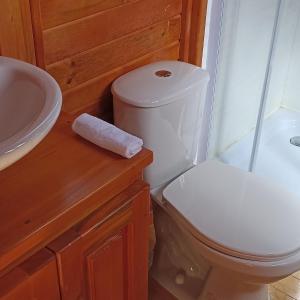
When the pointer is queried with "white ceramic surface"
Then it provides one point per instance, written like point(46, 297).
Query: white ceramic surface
point(237, 212)
point(171, 127)
point(242, 225)
point(159, 83)
point(30, 102)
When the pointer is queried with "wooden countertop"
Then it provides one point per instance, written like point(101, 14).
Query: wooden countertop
point(59, 183)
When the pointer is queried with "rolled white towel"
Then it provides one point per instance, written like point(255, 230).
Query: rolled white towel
point(107, 135)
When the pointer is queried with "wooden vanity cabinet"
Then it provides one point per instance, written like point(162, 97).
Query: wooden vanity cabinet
point(104, 257)
point(35, 279)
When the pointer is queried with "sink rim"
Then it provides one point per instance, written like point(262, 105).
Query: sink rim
point(49, 113)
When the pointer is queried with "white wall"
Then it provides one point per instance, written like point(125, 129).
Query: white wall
point(209, 62)
point(245, 41)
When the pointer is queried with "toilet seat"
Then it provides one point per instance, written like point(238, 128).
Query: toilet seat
point(259, 220)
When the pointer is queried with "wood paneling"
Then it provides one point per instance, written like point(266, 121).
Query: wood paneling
point(193, 29)
point(87, 65)
point(186, 29)
point(36, 279)
point(87, 44)
point(86, 33)
point(16, 36)
point(197, 31)
point(97, 90)
point(56, 12)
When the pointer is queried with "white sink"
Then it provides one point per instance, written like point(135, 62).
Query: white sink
point(30, 102)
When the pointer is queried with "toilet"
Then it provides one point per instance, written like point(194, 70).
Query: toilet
point(235, 229)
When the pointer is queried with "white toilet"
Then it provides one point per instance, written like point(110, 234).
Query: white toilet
point(245, 227)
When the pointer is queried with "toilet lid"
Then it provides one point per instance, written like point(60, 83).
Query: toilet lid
point(237, 212)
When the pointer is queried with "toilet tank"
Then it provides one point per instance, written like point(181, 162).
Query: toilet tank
point(162, 103)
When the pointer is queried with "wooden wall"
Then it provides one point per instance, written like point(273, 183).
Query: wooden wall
point(16, 38)
point(86, 44)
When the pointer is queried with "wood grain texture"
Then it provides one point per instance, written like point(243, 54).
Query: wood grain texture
point(56, 12)
point(16, 37)
point(60, 182)
point(36, 279)
point(198, 20)
point(106, 268)
point(36, 18)
point(193, 30)
point(186, 19)
point(84, 66)
point(86, 33)
point(97, 90)
point(110, 248)
point(87, 44)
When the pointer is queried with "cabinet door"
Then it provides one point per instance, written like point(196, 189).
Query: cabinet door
point(35, 279)
point(105, 256)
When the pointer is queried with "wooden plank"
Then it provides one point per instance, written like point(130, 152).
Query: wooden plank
point(197, 31)
point(84, 66)
point(289, 286)
point(37, 32)
point(278, 295)
point(185, 29)
point(97, 90)
point(71, 38)
point(56, 12)
point(16, 30)
point(193, 30)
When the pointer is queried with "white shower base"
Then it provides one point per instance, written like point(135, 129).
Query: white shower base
point(277, 159)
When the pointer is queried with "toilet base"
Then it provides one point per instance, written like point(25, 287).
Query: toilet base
point(223, 285)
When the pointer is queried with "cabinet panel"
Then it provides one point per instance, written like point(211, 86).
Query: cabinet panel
point(105, 256)
point(106, 269)
point(35, 279)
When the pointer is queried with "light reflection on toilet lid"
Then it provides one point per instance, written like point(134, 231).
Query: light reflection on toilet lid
point(236, 212)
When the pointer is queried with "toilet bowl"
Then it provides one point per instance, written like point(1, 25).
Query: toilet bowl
point(258, 242)
point(245, 227)
point(269, 256)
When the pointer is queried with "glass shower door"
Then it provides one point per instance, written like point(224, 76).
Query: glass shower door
point(276, 154)
point(246, 39)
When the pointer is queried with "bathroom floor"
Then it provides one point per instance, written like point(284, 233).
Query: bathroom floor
point(277, 158)
point(286, 289)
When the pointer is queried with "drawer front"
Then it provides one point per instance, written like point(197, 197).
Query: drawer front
point(35, 279)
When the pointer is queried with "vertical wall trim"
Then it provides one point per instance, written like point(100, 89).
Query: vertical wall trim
point(185, 30)
point(197, 31)
point(193, 30)
point(16, 37)
point(36, 18)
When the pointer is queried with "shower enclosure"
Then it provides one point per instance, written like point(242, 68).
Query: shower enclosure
point(253, 56)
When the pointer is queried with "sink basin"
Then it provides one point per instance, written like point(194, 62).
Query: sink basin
point(30, 102)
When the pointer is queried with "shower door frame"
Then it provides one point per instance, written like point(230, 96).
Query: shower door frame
point(213, 69)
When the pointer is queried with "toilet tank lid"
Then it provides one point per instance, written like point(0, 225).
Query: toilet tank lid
point(158, 83)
